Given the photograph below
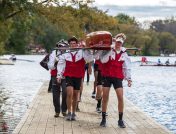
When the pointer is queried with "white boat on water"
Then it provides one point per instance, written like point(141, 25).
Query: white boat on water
point(5, 61)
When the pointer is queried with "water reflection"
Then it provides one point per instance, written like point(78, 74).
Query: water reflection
point(18, 85)
point(154, 92)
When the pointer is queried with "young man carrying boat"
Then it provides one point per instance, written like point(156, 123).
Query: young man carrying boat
point(56, 87)
point(116, 67)
point(71, 66)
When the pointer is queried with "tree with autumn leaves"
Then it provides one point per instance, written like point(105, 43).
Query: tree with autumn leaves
point(46, 22)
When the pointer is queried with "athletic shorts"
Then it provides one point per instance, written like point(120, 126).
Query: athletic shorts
point(74, 82)
point(95, 67)
point(99, 78)
point(116, 82)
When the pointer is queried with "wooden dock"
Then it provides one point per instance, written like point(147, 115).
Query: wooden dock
point(39, 118)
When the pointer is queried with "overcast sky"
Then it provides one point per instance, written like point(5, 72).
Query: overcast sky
point(140, 9)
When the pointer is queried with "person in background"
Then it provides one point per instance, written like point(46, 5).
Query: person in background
point(56, 87)
point(144, 60)
point(159, 62)
point(167, 62)
point(95, 66)
point(50, 83)
point(13, 57)
point(89, 72)
point(99, 87)
point(116, 67)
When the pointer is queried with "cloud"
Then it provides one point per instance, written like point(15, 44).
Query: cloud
point(141, 12)
point(136, 2)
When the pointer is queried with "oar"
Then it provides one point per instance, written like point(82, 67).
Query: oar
point(25, 60)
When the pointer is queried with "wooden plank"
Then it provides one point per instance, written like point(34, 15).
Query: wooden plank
point(39, 118)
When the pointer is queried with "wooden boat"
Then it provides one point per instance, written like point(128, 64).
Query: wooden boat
point(162, 65)
point(99, 39)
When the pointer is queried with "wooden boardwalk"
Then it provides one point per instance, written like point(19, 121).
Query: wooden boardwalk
point(39, 118)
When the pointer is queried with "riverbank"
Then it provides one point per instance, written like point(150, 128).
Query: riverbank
point(39, 117)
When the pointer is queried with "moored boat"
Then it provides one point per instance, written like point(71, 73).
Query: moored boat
point(162, 65)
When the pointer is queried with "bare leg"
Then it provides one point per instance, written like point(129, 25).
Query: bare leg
point(105, 98)
point(119, 93)
point(69, 98)
point(75, 98)
point(104, 105)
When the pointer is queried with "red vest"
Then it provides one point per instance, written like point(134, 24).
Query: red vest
point(113, 68)
point(75, 69)
point(53, 72)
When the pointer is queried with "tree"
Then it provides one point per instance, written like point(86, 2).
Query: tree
point(167, 25)
point(125, 19)
point(167, 43)
point(150, 46)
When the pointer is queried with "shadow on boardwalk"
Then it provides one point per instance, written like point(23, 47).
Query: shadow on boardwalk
point(39, 118)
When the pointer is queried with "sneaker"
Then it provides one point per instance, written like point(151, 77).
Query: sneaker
point(93, 95)
point(103, 123)
point(98, 109)
point(64, 114)
point(49, 91)
point(77, 109)
point(73, 117)
point(56, 115)
point(69, 116)
point(121, 124)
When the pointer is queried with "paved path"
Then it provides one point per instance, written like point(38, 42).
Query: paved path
point(39, 118)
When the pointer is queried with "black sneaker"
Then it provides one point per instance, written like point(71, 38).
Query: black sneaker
point(56, 115)
point(93, 95)
point(98, 109)
point(64, 114)
point(121, 124)
point(103, 123)
point(49, 91)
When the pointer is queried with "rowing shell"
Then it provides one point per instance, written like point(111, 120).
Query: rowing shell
point(161, 65)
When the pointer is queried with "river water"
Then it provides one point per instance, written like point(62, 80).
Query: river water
point(153, 90)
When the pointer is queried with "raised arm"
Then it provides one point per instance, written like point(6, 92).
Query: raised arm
point(60, 66)
point(105, 55)
point(52, 59)
point(126, 66)
point(88, 56)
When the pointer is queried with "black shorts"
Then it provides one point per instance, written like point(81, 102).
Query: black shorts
point(95, 67)
point(116, 82)
point(99, 78)
point(74, 82)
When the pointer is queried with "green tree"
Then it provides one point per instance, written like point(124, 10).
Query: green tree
point(125, 19)
point(167, 43)
point(150, 46)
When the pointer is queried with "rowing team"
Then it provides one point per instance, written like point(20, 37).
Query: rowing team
point(111, 67)
point(145, 61)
